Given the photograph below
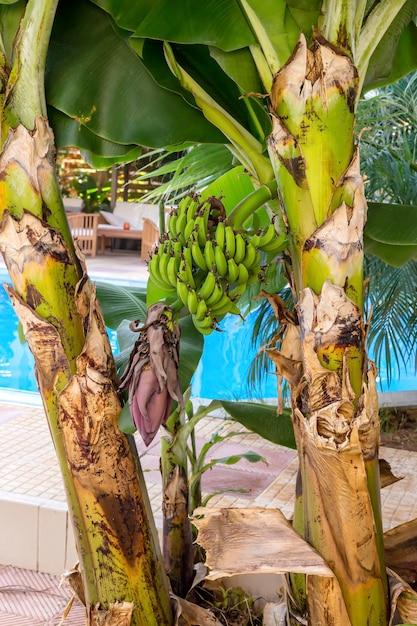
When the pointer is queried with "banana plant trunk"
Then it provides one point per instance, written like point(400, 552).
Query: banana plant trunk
point(123, 578)
point(178, 548)
point(323, 356)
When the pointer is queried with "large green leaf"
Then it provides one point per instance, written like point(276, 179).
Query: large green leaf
point(97, 151)
point(263, 420)
point(394, 255)
point(391, 232)
point(393, 224)
point(181, 21)
point(191, 349)
point(239, 65)
point(394, 57)
point(106, 88)
point(10, 16)
point(231, 187)
point(121, 303)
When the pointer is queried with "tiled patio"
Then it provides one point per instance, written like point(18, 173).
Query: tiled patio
point(34, 526)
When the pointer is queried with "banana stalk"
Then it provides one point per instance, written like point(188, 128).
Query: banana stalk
point(178, 549)
point(335, 412)
point(121, 567)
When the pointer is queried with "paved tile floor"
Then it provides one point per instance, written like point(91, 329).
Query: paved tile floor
point(27, 598)
point(28, 467)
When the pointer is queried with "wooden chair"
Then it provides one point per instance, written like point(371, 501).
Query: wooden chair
point(83, 228)
point(150, 236)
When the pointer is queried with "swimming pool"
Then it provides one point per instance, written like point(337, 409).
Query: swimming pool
point(222, 373)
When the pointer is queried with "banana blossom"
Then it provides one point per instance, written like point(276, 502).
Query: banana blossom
point(151, 374)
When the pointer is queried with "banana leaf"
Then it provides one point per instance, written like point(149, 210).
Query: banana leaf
point(391, 232)
point(263, 420)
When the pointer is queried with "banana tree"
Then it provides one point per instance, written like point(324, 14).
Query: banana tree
point(123, 579)
point(278, 83)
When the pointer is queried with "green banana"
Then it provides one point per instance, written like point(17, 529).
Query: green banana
point(182, 291)
point(250, 255)
point(215, 295)
point(234, 309)
point(232, 270)
point(180, 225)
point(202, 222)
point(187, 256)
point(206, 208)
point(192, 209)
point(207, 286)
point(221, 307)
point(155, 273)
point(201, 311)
point(183, 205)
point(201, 326)
point(172, 223)
point(206, 322)
point(192, 300)
point(172, 270)
point(219, 234)
point(240, 248)
point(185, 273)
point(209, 253)
point(278, 244)
point(176, 248)
point(220, 261)
point(230, 244)
point(267, 237)
point(189, 229)
point(162, 267)
point(153, 269)
point(255, 239)
point(198, 256)
point(243, 274)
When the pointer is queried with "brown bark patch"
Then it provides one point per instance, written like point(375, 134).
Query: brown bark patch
point(44, 343)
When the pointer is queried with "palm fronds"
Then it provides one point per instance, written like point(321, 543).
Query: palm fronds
point(181, 168)
point(392, 305)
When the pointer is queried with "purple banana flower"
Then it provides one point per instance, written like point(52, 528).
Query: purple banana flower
point(151, 374)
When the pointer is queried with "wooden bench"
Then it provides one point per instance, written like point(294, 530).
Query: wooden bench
point(89, 228)
point(84, 229)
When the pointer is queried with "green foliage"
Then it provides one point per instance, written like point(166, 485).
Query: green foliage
point(199, 465)
point(95, 198)
point(263, 420)
point(183, 168)
point(391, 302)
point(232, 603)
point(120, 82)
point(121, 303)
point(391, 232)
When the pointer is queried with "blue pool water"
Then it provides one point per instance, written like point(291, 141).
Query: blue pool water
point(222, 372)
point(16, 360)
point(223, 369)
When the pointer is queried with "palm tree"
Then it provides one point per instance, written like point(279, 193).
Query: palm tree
point(282, 96)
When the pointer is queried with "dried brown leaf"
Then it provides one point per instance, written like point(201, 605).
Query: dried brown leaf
point(251, 541)
point(401, 550)
point(118, 614)
point(189, 614)
point(403, 598)
point(386, 476)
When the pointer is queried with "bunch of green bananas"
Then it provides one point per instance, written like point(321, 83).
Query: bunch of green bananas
point(206, 262)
